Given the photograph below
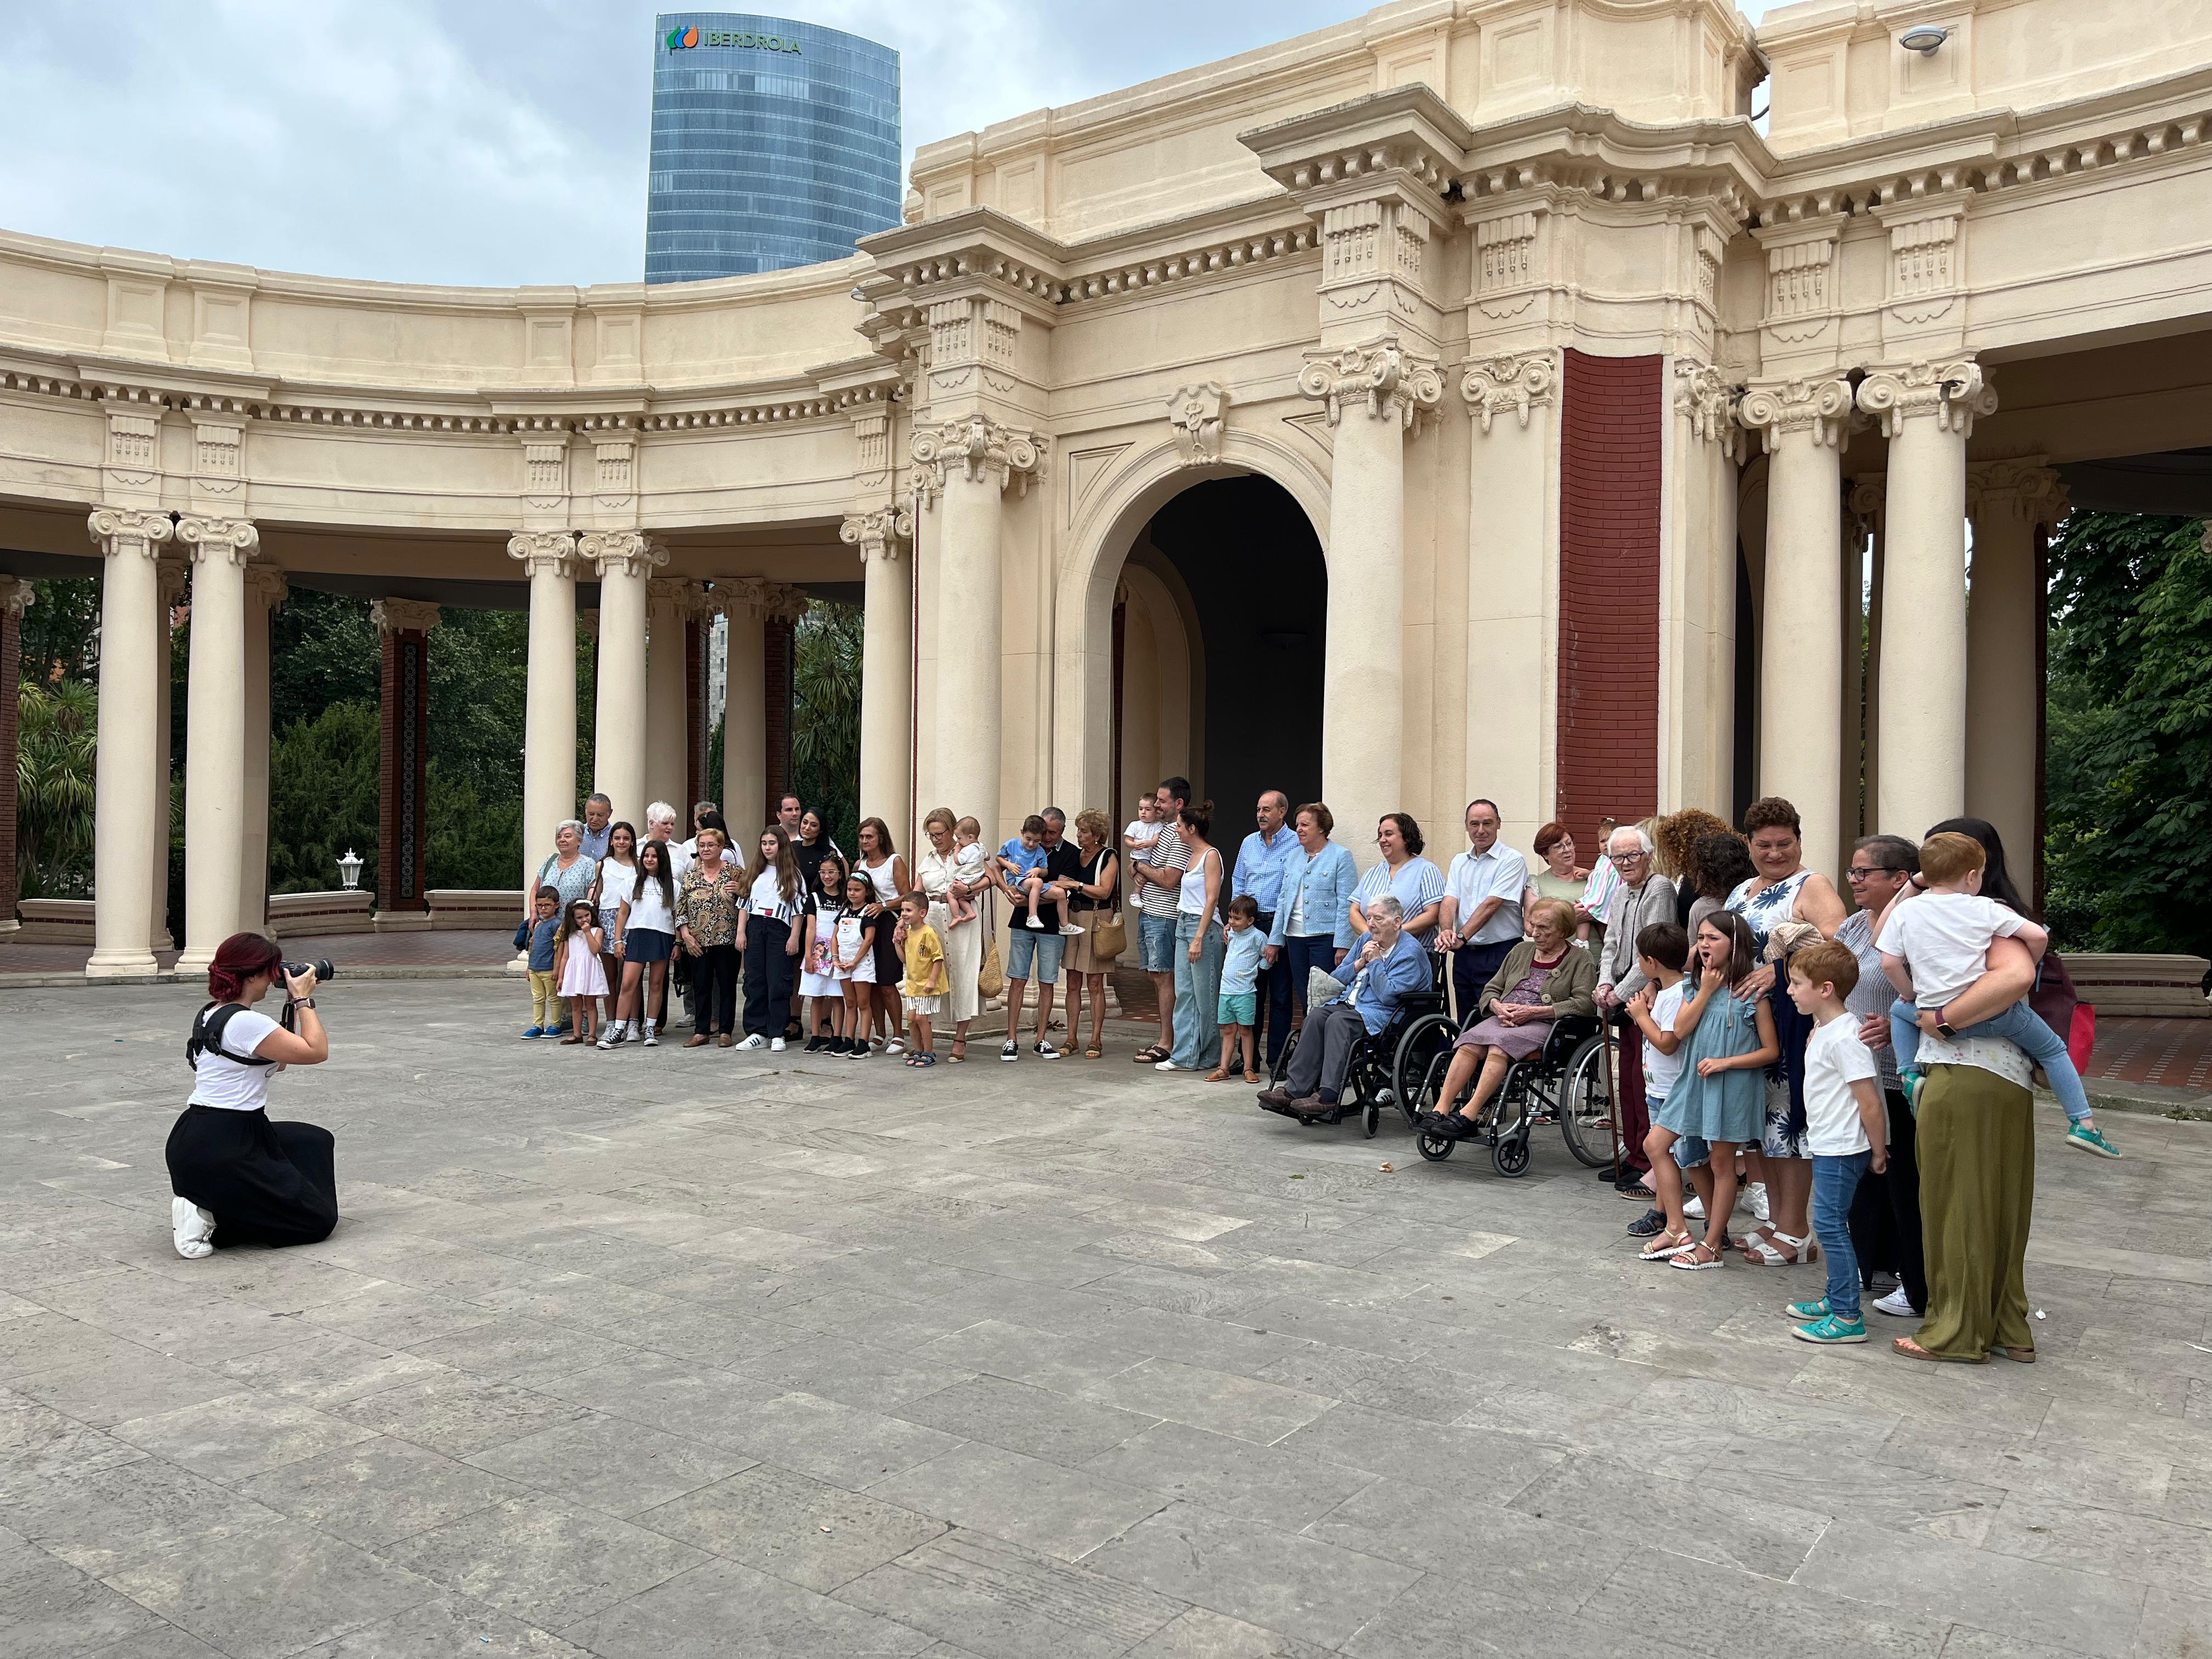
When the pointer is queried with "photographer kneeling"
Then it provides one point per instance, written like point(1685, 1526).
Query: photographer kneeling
point(239, 1179)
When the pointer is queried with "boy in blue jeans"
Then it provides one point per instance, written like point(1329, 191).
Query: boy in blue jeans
point(1846, 1131)
point(536, 937)
point(1936, 943)
point(1021, 864)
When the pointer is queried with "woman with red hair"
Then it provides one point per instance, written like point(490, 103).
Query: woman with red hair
point(239, 1179)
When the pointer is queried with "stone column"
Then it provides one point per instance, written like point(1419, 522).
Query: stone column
point(1800, 692)
point(403, 770)
point(127, 816)
point(172, 577)
point(215, 735)
point(1926, 410)
point(264, 593)
point(743, 604)
point(1865, 502)
point(667, 728)
point(885, 538)
point(1372, 393)
point(2008, 502)
point(549, 751)
point(15, 598)
point(623, 559)
point(962, 468)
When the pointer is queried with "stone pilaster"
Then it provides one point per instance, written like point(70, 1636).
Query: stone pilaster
point(549, 754)
point(884, 537)
point(125, 805)
point(215, 727)
point(402, 834)
point(624, 560)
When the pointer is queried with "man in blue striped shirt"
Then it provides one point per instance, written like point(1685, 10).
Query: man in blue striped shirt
point(1259, 875)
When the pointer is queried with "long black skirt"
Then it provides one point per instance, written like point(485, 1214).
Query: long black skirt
point(265, 1184)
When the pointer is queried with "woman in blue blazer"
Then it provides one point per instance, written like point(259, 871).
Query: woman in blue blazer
point(1313, 913)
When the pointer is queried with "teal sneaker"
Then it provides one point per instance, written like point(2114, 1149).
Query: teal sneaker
point(2090, 1140)
point(1832, 1332)
point(1802, 1313)
point(1908, 1083)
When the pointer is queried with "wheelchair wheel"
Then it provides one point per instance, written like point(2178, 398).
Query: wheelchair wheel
point(1423, 1047)
point(1281, 1068)
point(1509, 1152)
point(1435, 1148)
point(1372, 1120)
point(1585, 1109)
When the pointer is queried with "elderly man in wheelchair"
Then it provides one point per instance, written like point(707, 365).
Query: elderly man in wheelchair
point(1546, 977)
point(1390, 968)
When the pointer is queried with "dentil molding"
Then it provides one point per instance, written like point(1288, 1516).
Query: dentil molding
point(1952, 391)
point(1820, 408)
point(884, 533)
point(1517, 383)
point(983, 452)
point(234, 540)
point(1391, 383)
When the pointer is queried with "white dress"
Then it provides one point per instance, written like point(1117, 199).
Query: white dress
point(818, 976)
point(934, 873)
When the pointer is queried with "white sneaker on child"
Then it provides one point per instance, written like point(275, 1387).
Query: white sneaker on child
point(1754, 1198)
point(1896, 1304)
point(190, 1228)
point(1070, 932)
point(1034, 921)
point(1694, 1208)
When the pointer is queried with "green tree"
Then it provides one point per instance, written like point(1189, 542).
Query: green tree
point(474, 841)
point(825, 723)
point(2129, 761)
point(57, 739)
point(61, 630)
point(323, 798)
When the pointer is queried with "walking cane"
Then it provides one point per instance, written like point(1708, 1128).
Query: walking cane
point(1612, 1102)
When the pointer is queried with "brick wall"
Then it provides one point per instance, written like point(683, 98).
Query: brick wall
point(776, 669)
point(696, 728)
point(11, 674)
point(403, 773)
point(1608, 716)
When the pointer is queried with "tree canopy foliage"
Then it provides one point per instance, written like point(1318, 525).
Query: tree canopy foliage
point(2128, 764)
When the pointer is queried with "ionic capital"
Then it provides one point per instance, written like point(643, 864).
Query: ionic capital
point(626, 552)
point(2026, 487)
point(266, 586)
point(784, 602)
point(1866, 498)
point(741, 598)
point(1820, 408)
point(404, 616)
point(1704, 398)
point(1517, 384)
point(123, 530)
point(210, 539)
point(1952, 391)
point(15, 597)
point(172, 577)
point(544, 552)
point(881, 533)
point(1391, 383)
point(666, 591)
point(982, 451)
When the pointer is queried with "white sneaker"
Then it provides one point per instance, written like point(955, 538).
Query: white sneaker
point(757, 1041)
point(1896, 1304)
point(651, 1040)
point(190, 1228)
point(1754, 1198)
point(776, 1045)
point(1071, 931)
point(1694, 1208)
point(896, 1046)
point(1167, 1066)
point(1036, 922)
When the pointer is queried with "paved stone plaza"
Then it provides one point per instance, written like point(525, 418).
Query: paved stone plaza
point(687, 1353)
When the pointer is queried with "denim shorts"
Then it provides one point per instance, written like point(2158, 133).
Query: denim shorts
point(1691, 1151)
point(1032, 948)
point(1155, 943)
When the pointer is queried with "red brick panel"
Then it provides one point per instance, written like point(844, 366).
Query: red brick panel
point(403, 772)
point(11, 674)
point(1608, 716)
point(776, 669)
point(696, 727)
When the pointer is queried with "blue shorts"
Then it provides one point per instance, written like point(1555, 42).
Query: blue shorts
point(1155, 943)
point(1032, 948)
point(1691, 1151)
point(1237, 1008)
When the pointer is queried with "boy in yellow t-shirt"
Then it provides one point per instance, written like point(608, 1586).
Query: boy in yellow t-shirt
point(924, 989)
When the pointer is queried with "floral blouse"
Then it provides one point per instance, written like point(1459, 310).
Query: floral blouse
point(707, 904)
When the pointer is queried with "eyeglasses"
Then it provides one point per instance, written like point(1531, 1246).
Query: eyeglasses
point(1860, 872)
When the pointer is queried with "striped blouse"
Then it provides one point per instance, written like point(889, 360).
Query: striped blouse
point(1417, 885)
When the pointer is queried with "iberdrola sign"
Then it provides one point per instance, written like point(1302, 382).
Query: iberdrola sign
point(684, 40)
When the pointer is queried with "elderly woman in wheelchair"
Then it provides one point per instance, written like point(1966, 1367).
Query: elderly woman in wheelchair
point(1546, 976)
point(1390, 967)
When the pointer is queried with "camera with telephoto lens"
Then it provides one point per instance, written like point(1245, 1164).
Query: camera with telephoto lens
point(323, 971)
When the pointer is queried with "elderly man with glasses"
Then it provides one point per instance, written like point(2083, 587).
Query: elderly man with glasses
point(1645, 896)
point(1886, 1209)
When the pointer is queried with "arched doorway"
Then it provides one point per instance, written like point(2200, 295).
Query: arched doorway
point(1218, 647)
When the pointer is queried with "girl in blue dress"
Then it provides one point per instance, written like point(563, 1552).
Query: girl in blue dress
point(1719, 1102)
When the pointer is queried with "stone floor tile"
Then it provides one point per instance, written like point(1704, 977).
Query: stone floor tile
point(101, 1520)
point(1724, 1611)
point(1757, 1533)
point(163, 1641)
point(1465, 1618)
point(267, 1594)
point(841, 1445)
point(1282, 1486)
point(726, 1608)
point(998, 1348)
point(1034, 1421)
point(1195, 1339)
point(327, 1369)
point(2172, 1555)
point(608, 1464)
point(47, 1342)
point(399, 1315)
point(1213, 1400)
point(2173, 1627)
point(1487, 1464)
point(456, 1414)
point(523, 1351)
point(451, 1625)
point(1202, 1633)
point(791, 1525)
point(49, 1610)
point(878, 1379)
point(1042, 1506)
point(240, 1435)
point(1531, 1559)
point(108, 1391)
point(542, 1560)
point(1904, 1499)
point(1301, 1587)
point(379, 1492)
point(39, 1445)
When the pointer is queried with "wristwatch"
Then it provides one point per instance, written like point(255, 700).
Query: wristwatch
point(303, 1002)
point(1942, 1025)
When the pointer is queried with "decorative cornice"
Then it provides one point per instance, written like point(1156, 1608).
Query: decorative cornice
point(883, 533)
point(982, 449)
point(544, 550)
point(1519, 382)
point(1393, 384)
point(1952, 391)
point(123, 530)
point(2028, 487)
point(404, 616)
point(631, 552)
point(1704, 398)
point(1195, 414)
point(234, 540)
point(1821, 408)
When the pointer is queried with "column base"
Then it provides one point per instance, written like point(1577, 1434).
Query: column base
point(401, 921)
point(194, 961)
point(10, 927)
point(121, 964)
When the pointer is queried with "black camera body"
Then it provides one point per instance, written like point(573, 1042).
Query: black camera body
point(322, 969)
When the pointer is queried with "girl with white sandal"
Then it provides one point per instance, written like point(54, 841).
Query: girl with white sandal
point(1720, 1099)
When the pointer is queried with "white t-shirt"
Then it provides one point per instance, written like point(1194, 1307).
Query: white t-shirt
point(220, 1081)
point(767, 898)
point(648, 910)
point(1140, 835)
point(1944, 939)
point(1660, 1070)
point(616, 883)
point(1834, 1060)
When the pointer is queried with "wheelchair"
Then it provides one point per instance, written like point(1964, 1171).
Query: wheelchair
point(1384, 1068)
point(1565, 1080)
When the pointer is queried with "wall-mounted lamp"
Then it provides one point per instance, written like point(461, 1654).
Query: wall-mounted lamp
point(349, 871)
point(1923, 38)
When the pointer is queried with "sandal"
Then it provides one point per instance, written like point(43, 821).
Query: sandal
point(1760, 1249)
point(1152, 1056)
point(959, 1054)
point(1667, 1247)
point(1251, 1077)
point(1689, 1263)
point(2019, 1356)
point(1911, 1350)
point(1094, 1052)
point(1217, 1075)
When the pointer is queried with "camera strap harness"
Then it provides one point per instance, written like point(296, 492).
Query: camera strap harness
point(208, 1027)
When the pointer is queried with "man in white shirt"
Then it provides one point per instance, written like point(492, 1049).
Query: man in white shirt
point(1485, 892)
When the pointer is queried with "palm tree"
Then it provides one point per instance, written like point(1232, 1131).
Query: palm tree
point(825, 722)
point(57, 739)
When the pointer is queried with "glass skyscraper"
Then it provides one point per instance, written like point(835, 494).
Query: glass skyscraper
point(775, 143)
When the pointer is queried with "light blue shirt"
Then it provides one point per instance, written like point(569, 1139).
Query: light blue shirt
point(1025, 859)
point(1407, 971)
point(1325, 880)
point(595, 841)
point(1416, 884)
point(1259, 867)
point(1240, 965)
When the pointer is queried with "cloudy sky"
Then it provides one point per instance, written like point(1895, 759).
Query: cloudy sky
point(475, 141)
